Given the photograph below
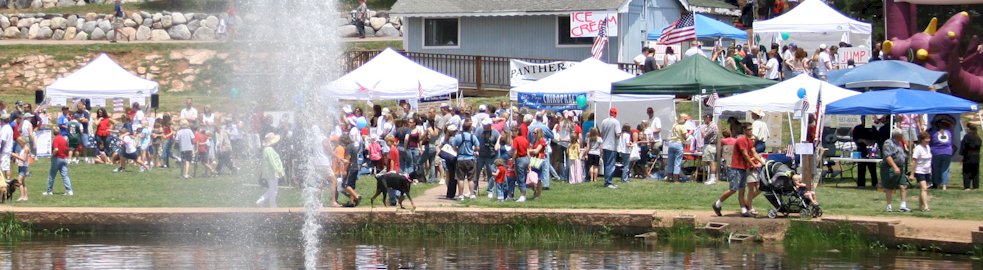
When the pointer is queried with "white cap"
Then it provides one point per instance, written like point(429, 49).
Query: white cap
point(486, 121)
point(451, 127)
point(482, 108)
point(347, 108)
point(822, 46)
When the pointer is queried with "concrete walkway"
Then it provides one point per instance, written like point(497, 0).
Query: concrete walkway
point(5, 42)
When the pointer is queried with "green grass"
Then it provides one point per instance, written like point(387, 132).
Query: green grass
point(96, 186)
point(11, 228)
point(837, 198)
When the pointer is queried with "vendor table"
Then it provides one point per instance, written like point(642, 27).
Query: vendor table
point(851, 163)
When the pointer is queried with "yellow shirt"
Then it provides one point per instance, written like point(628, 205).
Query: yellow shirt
point(678, 133)
point(573, 152)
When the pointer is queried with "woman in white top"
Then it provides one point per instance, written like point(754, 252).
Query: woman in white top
point(922, 159)
point(669, 57)
point(624, 150)
point(207, 117)
point(774, 73)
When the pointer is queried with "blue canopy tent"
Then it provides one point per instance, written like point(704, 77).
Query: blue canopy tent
point(707, 27)
point(901, 101)
point(888, 74)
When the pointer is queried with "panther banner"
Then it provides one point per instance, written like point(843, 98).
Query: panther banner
point(522, 72)
point(555, 102)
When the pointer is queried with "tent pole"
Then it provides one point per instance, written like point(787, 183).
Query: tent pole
point(791, 131)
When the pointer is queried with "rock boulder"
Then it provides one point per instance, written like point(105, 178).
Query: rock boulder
point(45, 33)
point(377, 23)
point(91, 17)
point(178, 18)
point(166, 21)
point(211, 22)
point(82, 36)
point(59, 23)
point(4, 22)
point(32, 32)
point(58, 35)
point(11, 32)
point(135, 16)
point(347, 31)
point(129, 23)
point(387, 30)
point(88, 27)
point(106, 26)
point(129, 33)
point(70, 33)
point(97, 34)
point(204, 33)
point(143, 33)
point(179, 32)
point(159, 35)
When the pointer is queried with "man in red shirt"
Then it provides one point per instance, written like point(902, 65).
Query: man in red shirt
point(743, 162)
point(520, 144)
point(59, 153)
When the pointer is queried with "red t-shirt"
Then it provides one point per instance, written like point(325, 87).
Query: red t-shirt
point(200, 139)
point(521, 146)
point(577, 129)
point(393, 159)
point(743, 144)
point(524, 130)
point(103, 128)
point(511, 170)
point(542, 151)
point(60, 145)
point(501, 175)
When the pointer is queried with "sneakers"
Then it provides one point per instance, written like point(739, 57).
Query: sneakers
point(889, 208)
point(46, 193)
point(460, 198)
point(69, 193)
point(261, 201)
point(744, 212)
point(472, 197)
point(716, 209)
point(142, 169)
point(491, 195)
point(711, 181)
point(612, 186)
point(521, 199)
point(904, 209)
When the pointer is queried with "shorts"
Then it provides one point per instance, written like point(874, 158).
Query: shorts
point(923, 177)
point(186, 155)
point(709, 152)
point(890, 180)
point(132, 156)
point(73, 144)
point(351, 178)
point(5, 163)
point(22, 171)
point(465, 169)
point(754, 175)
point(202, 157)
point(738, 179)
point(593, 160)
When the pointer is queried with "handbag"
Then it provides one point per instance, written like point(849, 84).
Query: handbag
point(536, 164)
point(532, 178)
point(447, 152)
point(635, 153)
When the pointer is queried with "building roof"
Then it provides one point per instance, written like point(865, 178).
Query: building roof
point(711, 4)
point(458, 8)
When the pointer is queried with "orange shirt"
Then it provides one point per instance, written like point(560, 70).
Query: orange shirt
point(339, 160)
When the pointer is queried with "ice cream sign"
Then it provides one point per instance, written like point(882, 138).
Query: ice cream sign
point(588, 23)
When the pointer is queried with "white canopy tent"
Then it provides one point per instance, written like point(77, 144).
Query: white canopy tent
point(594, 78)
point(101, 79)
point(391, 75)
point(782, 97)
point(812, 23)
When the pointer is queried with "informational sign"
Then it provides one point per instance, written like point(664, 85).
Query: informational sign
point(522, 72)
point(843, 120)
point(588, 23)
point(97, 102)
point(565, 101)
point(860, 55)
point(439, 98)
point(43, 143)
point(776, 127)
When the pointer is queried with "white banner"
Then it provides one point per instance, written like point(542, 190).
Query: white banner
point(859, 55)
point(42, 141)
point(521, 72)
point(588, 23)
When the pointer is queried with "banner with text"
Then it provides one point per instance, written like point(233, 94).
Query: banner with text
point(556, 102)
point(859, 55)
point(588, 23)
point(522, 72)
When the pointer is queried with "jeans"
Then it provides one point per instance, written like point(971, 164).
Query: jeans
point(509, 187)
point(360, 26)
point(168, 144)
point(102, 145)
point(59, 164)
point(940, 170)
point(521, 171)
point(429, 157)
point(500, 191)
point(414, 160)
point(674, 164)
point(545, 175)
point(488, 166)
point(625, 166)
point(404, 159)
point(608, 157)
point(564, 171)
point(271, 189)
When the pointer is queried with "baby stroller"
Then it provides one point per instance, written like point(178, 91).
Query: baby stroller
point(779, 189)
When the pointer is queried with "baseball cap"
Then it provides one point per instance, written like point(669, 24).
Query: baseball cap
point(792, 44)
point(482, 108)
point(822, 46)
point(614, 111)
point(486, 121)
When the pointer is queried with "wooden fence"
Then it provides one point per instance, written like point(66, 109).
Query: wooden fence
point(472, 71)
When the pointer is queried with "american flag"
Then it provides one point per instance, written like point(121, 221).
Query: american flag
point(681, 30)
point(602, 39)
point(712, 100)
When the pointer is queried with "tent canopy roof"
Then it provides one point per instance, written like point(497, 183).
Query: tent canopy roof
point(812, 16)
point(101, 78)
point(588, 76)
point(690, 77)
point(783, 96)
point(901, 101)
point(887, 74)
point(707, 27)
point(391, 75)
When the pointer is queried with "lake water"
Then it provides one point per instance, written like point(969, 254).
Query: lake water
point(181, 251)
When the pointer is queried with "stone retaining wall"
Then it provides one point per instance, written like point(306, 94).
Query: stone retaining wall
point(23, 4)
point(138, 26)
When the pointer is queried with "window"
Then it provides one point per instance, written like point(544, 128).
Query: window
point(563, 33)
point(441, 32)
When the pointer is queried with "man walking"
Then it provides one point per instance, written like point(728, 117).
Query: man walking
point(742, 163)
point(59, 153)
point(610, 132)
point(360, 12)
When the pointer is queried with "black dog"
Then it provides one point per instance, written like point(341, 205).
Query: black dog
point(393, 181)
point(7, 193)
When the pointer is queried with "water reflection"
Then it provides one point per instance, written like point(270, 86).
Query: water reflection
point(212, 252)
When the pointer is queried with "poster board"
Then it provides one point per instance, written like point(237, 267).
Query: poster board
point(43, 143)
point(776, 128)
point(522, 72)
point(588, 23)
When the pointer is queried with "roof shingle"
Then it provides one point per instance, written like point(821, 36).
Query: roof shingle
point(409, 7)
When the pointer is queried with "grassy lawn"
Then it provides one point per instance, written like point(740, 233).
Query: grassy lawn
point(836, 197)
point(97, 186)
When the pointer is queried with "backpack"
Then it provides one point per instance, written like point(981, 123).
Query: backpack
point(488, 144)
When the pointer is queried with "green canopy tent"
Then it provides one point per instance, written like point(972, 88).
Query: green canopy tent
point(689, 77)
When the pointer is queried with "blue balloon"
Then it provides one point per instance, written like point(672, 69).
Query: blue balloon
point(802, 93)
point(360, 123)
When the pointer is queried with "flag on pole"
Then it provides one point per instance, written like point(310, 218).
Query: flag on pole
point(681, 30)
point(712, 100)
point(600, 41)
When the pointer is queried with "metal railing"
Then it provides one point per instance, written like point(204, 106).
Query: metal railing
point(472, 71)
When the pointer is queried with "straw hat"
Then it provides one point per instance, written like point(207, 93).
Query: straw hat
point(757, 111)
point(270, 139)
